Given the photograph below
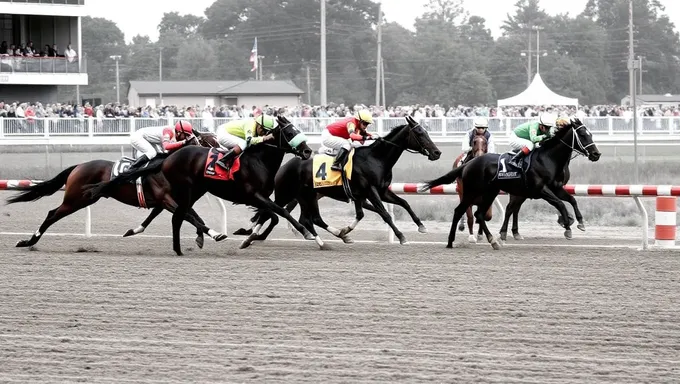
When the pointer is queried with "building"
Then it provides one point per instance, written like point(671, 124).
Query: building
point(42, 22)
point(213, 93)
point(666, 100)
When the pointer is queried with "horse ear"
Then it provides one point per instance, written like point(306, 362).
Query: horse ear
point(409, 120)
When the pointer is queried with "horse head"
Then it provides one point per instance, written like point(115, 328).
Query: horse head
point(291, 139)
point(479, 145)
point(412, 137)
point(574, 134)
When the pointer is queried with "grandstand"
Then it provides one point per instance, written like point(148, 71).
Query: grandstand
point(40, 48)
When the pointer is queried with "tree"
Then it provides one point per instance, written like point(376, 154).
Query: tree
point(187, 25)
point(203, 64)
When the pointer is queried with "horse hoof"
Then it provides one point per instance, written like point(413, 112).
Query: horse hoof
point(402, 240)
point(567, 234)
point(422, 229)
point(179, 253)
point(347, 240)
point(245, 244)
point(308, 236)
point(517, 236)
point(581, 226)
point(199, 241)
point(472, 239)
point(344, 232)
point(220, 237)
point(243, 232)
point(449, 245)
point(129, 232)
point(24, 243)
point(504, 236)
point(496, 246)
point(319, 242)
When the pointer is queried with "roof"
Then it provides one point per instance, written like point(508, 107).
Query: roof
point(667, 98)
point(538, 94)
point(221, 88)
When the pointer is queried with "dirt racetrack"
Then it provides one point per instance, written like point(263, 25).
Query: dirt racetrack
point(108, 309)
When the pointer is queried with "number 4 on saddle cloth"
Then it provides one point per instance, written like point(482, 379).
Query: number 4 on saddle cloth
point(216, 172)
point(121, 166)
point(507, 171)
point(324, 176)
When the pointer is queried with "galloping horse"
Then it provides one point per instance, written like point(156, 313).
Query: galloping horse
point(152, 192)
point(250, 180)
point(479, 148)
point(370, 180)
point(515, 203)
point(538, 179)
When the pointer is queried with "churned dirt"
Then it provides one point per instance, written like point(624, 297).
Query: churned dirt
point(112, 309)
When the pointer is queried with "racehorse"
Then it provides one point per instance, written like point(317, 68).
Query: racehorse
point(155, 194)
point(370, 180)
point(481, 176)
point(515, 203)
point(250, 180)
point(479, 148)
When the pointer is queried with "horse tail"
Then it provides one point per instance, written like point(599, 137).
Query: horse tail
point(46, 188)
point(94, 191)
point(448, 178)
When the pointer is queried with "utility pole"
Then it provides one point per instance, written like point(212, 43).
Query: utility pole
point(160, 76)
point(378, 60)
point(538, 46)
point(639, 88)
point(382, 79)
point(527, 53)
point(323, 53)
point(631, 85)
point(117, 58)
point(259, 65)
point(309, 87)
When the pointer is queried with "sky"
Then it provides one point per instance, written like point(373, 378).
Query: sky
point(142, 16)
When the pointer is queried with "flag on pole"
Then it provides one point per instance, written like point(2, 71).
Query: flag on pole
point(253, 56)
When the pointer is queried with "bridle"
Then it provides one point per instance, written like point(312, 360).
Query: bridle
point(281, 137)
point(576, 144)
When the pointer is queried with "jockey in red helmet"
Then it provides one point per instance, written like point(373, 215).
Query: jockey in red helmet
point(340, 134)
point(148, 140)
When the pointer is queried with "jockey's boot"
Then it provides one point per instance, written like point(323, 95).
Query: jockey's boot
point(340, 160)
point(226, 159)
point(141, 160)
point(517, 160)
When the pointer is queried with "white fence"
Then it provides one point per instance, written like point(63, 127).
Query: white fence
point(102, 131)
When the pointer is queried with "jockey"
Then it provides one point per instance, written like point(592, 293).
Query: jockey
point(525, 137)
point(237, 135)
point(481, 128)
point(340, 134)
point(145, 140)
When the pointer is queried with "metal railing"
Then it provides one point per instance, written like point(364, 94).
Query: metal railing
point(445, 127)
point(59, 2)
point(38, 64)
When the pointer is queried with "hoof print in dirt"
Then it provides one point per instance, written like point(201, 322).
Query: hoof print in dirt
point(87, 250)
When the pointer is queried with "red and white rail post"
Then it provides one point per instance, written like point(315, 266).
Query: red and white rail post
point(665, 222)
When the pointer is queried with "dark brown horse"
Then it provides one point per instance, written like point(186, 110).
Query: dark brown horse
point(479, 148)
point(251, 184)
point(156, 194)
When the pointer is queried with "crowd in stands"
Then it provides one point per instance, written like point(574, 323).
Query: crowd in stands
point(115, 111)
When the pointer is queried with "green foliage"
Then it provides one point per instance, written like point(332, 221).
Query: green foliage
point(451, 58)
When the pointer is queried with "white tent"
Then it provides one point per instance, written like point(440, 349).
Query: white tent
point(538, 94)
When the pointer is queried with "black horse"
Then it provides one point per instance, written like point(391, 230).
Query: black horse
point(371, 178)
point(481, 176)
point(515, 203)
point(251, 185)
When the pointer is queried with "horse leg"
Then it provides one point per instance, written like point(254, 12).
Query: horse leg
point(515, 218)
point(265, 203)
point(390, 197)
point(359, 215)
point(461, 226)
point(374, 197)
point(470, 223)
point(563, 195)
point(311, 208)
point(274, 221)
point(253, 222)
point(458, 213)
point(482, 210)
point(154, 213)
point(181, 205)
point(550, 197)
point(52, 217)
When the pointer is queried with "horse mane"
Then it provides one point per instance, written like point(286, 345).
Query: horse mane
point(555, 140)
